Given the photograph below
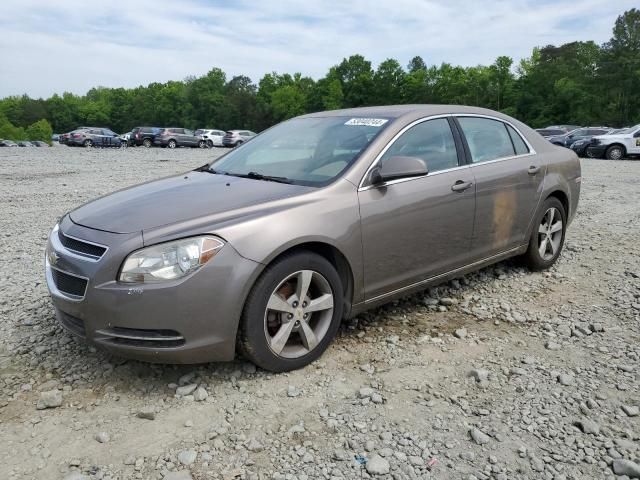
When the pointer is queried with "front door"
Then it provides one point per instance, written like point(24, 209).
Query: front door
point(416, 228)
point(508, 184)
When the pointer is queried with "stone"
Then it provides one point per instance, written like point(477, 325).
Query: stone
point(551, 345)
point(186, 390)
point(566, 379)
point(147, 413)
point(626, 467)
point(292, 391)
point(479, 437)
point(365, 392)
point(187, 457)
point(49, 399)
point(480, 374)
point(377, 465)
point(460, 333)
point(631, 410)
point(587, 426)
point(200, 394)
point(181, 475)
point(75, 476)
point(102, 437)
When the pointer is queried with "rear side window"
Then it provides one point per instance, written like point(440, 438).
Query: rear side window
point(487, 139)
point(432, 141)
point(518, 142)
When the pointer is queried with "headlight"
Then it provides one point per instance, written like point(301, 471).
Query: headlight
point(169, 261)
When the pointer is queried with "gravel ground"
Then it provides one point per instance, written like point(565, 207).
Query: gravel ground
point(502, 374)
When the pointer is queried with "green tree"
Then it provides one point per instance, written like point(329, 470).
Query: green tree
point(40, 130)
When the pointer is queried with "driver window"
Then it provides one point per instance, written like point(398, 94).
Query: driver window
point(432, 141)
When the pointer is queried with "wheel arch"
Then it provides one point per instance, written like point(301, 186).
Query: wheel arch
point(332, 254)
point(617, 144)
point(564, 200)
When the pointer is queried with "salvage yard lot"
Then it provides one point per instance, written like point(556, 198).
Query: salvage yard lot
point(501, 374)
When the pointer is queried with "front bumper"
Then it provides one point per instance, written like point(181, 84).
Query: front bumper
point(191, 320)
point(597, 151)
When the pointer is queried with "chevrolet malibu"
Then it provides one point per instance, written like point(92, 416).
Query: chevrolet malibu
point(266, 249)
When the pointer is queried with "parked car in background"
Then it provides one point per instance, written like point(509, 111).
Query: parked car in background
point(25, 143)
point(8, 143)
point(317, 219)
point(568, 139)
point(55, 137)
point(233, 138)
point(212, 137)
point(143, 136)
point(551, 132)
point(39, 143)
point(616, 145)
point(94, 137)
point(63, 139)
point(581, 146)
point(178, 137)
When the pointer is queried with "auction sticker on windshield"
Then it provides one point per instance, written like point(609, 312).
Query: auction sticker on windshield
point(367, 122)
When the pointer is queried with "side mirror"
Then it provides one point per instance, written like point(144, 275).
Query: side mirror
point(398, 167)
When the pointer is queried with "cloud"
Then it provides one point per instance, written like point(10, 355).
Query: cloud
point(74, 45)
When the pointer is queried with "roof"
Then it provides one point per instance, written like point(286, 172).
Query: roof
point(396, 111)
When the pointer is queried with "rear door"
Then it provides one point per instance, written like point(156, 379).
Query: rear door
point(509, 177)
point(416, 228)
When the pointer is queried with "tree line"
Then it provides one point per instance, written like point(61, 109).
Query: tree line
point(575, 83)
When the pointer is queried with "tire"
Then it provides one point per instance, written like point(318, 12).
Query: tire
point(279, 337)
point(87, 143)
point(238, 143)
point(202, 144)
point(209, 144)
point(172, 143)
point(615, 152)
point(543, 233)
point(589, 153)
point(147, 143)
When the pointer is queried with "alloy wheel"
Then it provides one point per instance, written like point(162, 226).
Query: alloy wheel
point(172, 144)
point(615, 153)
point(550, 234)
point(298, 314)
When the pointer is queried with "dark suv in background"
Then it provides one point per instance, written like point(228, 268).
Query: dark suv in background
point(143, 136)
point(568, 139)
point(178, 137)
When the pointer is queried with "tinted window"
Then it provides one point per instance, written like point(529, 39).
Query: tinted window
point(432, 141)
point(488, 139)
point(518, 142)
point(188, 132)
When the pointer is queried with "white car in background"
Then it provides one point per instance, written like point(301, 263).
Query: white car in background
point(212, 137)
point(616, 146)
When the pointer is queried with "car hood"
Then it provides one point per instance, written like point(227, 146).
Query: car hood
point(178, 199)
point(613, 137)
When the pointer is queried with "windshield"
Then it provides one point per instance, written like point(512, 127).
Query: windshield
point(306, 151)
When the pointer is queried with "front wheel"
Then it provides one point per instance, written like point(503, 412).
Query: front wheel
point(209, 144)
point(88, 143)
point(172, 144)
point(614, 152)
point(292, 313)
point(146, 143)
point(547, 237)
point(202, 144)
point(589, 153)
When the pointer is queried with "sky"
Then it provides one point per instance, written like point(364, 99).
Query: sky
point(53, 46)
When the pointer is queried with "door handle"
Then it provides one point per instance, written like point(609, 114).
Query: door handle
point(533, 169)
point(461, 186)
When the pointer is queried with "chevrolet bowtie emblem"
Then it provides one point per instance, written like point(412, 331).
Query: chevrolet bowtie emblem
point(53, 257)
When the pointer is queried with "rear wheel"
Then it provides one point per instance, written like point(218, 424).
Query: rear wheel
point(292, 313)
point(88, 143)
point(146, 142)
point(547, 237)
point(172, 144)
point(202, 144)
point(239, 142)
point(615, 152)
point(209, 144)
point(588, 152)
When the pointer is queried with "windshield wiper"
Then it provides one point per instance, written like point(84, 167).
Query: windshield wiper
point(260, 176)
point(206, 168)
